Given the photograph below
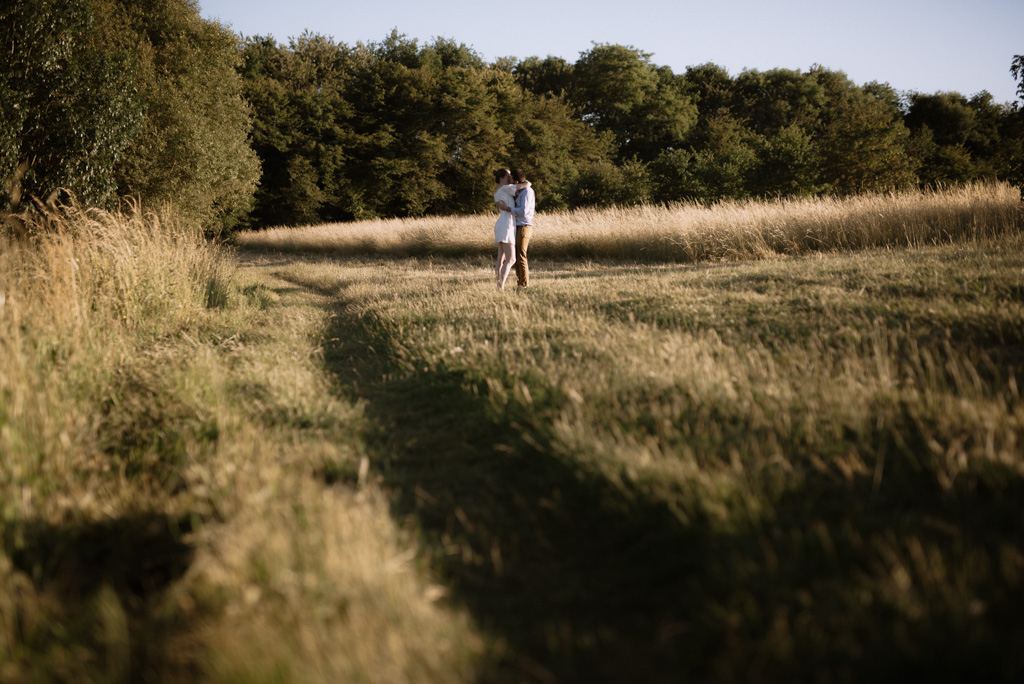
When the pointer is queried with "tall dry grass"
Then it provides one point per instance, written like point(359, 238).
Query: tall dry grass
point(190, 484)
point(181, 489)
point(85, 302)
point(80, 301)
point(730, 230)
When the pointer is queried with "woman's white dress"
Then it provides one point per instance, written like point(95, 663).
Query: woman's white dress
point(505, 226)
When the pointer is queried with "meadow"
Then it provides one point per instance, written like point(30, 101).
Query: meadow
point(760, 441)
point(727, 230)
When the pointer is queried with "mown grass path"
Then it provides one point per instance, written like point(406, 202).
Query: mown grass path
point(573, 579)
point(557, 563)
point(846, 520)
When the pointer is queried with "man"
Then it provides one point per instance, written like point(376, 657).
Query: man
point(523, 213)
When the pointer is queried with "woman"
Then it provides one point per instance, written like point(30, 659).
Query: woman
point(505, 226)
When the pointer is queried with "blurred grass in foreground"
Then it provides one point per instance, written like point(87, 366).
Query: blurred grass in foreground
point(181, 496)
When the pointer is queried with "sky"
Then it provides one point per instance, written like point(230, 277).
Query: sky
point(913, 45)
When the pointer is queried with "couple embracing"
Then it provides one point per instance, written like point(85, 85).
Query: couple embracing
point(515, 201)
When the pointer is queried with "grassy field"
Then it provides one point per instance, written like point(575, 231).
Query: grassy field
point(685, 233)
point(336, 465)
point(181, 491)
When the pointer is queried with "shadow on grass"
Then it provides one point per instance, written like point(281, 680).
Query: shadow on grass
point(105, 584)
point(552, 560)
point(582, 580)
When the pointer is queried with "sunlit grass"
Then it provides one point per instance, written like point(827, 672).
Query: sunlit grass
point(182, 488)
point(844, 431)
point(686, 233)
point(780, 438)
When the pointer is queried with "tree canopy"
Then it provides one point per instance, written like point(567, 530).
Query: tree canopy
point(406, 129)
point(106, 99)
point(397, 128)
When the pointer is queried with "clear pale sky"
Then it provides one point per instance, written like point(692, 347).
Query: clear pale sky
point(919, 45)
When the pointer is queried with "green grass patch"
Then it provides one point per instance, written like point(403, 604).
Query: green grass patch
point(804, 468)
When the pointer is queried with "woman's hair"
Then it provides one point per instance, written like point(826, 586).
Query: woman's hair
point(499, 174)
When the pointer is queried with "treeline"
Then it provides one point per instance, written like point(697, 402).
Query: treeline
point(401, 129)
point(396, 129)
point(112, 98)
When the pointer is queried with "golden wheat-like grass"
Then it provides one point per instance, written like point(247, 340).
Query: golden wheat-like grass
point(157, 408)
point(78, 299)
point(730, 230)
point(144, 376)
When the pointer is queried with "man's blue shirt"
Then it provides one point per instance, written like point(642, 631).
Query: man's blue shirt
point(523, 210)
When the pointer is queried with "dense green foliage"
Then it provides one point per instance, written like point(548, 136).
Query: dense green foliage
point(106, 99)
point(401, 129)
point(396, 129)
point(68, 108)
point(193, 148)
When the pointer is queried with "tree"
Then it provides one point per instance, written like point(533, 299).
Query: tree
point(861, 138)
point(769, 101)
point(723, 166)
point(400, 129)
point(554, 147)
point(548, 76)
point(710, 87)
point(1012, 152)
point(958, 139)
point(274, 126)
point(789, 164)
point(1017, 70)
point(427, 121)
point(111, 98)
point(985, 140)
point(780, 108)
point(69, 106)
point(618, 90)
point(193, 148)
point(604, 184)
point(302, 129)
point(948, 116)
